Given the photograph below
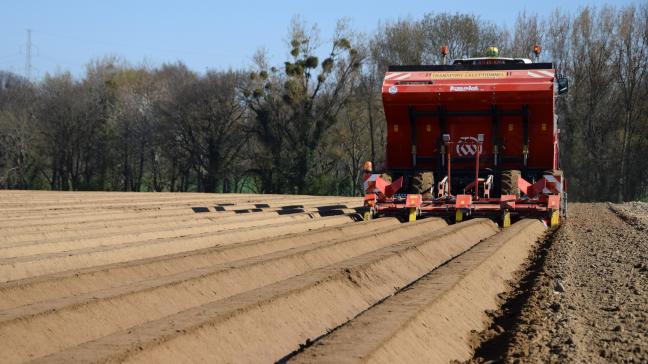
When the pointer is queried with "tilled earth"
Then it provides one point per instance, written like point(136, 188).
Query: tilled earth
point(148, 277)
point(588, 302)
point(167, 278)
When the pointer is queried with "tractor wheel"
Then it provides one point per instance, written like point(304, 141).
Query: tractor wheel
point(509, 182)
point(422, 183)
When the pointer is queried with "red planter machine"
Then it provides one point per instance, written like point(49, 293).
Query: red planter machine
point(475, 126)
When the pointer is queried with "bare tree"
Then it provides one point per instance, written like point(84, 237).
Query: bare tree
point(465, 35)
point(399, 42)
point(294, 109)
point(528, 32)
point(630, 58)
point(206, 117)
point(19, 160)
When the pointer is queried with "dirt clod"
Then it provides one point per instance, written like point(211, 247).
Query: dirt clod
point(555, 307)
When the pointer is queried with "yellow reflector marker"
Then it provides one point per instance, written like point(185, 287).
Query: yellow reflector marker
point(543, 126)
point(367, 215)
point(412, 214)
point(510, 127)
point(458, 216)
point(554, 219)
point(506, 222)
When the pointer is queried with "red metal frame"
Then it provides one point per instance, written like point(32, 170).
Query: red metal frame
point(541, 199)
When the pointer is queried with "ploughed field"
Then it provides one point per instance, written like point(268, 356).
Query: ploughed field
point(586, 301)
point(164, 277)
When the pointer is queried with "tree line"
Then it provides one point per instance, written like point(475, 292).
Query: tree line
point(306, 126)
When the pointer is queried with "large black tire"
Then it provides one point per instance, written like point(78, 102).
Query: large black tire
point(422, 183)
point(509, 182)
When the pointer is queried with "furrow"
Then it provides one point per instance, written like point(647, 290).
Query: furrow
point(116, 236)
point(34, 265)
point(269, 322)
point(139, 302)
point(433, 318)
point(32, 215)
point(38, 208)
point(51, 226)
point(260, 242)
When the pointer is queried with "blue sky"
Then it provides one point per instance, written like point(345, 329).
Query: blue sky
point(205, 34)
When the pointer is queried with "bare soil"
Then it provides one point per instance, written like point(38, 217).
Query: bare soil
point(98, 276)
point(264, 324)
point(163, 277)
point(584, 299)
point(432, 319)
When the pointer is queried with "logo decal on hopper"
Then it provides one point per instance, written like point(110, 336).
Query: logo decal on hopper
point(467, 146)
